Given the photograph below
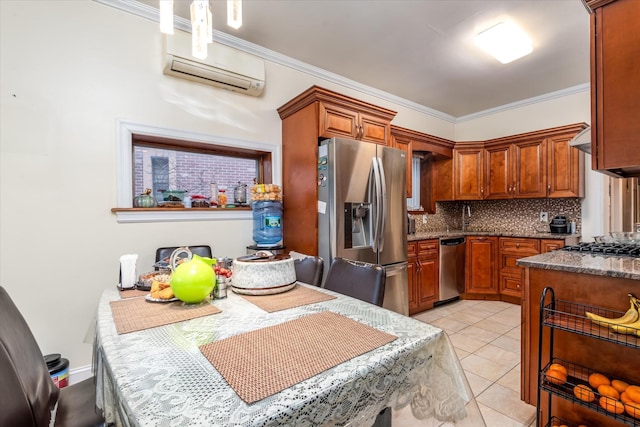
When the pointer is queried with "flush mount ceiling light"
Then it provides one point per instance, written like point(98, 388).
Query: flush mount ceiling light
point(505, 41)
point(201, 22)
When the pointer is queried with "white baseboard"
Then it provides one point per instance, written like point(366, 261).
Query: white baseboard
point(79, 374)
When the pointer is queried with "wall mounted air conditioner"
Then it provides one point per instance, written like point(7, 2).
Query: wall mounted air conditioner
point(224, 66)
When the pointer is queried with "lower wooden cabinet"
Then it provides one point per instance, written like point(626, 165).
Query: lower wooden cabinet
point(480, 275)
point(423, 273)
point(511, 275)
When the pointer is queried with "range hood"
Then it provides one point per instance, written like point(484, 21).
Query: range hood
point(582, 141)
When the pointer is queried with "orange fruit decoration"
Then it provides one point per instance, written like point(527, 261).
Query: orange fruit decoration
point(596, 380)
point(633, 391)
point(611, 405)
point(625, 397)
point(584, 393)
point(556, 377)
point(558, 367)
point(607, 390)
point(633, 409)
point(619, 385)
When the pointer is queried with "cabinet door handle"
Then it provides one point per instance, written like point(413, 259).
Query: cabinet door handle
point(518, 245)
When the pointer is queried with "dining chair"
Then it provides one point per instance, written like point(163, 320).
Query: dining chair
point(357, 279)
point(165, 253)
point(309, 270)
point(28, 394)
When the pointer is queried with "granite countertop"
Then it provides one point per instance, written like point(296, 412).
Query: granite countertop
point(575, 262)
point(426, 235)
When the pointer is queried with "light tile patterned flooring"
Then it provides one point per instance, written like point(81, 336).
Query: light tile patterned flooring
point(486, 337)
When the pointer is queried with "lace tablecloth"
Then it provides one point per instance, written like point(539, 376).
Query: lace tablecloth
point(159, 377)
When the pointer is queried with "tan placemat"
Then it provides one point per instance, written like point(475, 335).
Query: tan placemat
point(136, 314)
point(260, 363)
point(296, 297)
point(132, 293)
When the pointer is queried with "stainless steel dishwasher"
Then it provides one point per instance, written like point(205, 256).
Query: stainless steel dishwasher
point(452, 251)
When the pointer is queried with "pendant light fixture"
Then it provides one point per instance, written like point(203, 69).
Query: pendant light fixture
point(166, 16)
point(234, 13)
point(201, 22)
point(200, 28)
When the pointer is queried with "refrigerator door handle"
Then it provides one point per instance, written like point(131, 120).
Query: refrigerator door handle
point(374, 191)
point(383, 205)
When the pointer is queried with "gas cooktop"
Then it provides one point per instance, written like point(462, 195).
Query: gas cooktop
point(617, 249)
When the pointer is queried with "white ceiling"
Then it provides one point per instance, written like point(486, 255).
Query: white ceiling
point(422, 50)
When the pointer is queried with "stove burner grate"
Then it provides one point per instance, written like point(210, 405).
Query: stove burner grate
point(618, 249)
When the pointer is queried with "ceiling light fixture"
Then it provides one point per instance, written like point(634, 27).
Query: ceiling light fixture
point(234, 13)
point(505, 41)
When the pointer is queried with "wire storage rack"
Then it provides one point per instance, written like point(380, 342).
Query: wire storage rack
point(571, 317)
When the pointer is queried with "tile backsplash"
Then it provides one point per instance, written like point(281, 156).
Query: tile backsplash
point(519, 215)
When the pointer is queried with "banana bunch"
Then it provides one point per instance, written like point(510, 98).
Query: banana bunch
point(629, 323)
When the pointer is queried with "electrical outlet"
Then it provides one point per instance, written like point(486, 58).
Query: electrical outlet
point(544, 217)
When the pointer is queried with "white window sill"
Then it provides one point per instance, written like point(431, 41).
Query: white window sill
point(131, 215)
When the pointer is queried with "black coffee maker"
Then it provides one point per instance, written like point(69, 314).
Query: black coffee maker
point(559, 225)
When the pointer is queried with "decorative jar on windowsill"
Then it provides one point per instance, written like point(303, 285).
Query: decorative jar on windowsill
point(145, 200)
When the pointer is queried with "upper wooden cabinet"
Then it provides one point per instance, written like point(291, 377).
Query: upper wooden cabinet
point(308, 118)
point(615, 87)
point(338, 121)
point(515, 170)
point(532, 165)
point(468, 176)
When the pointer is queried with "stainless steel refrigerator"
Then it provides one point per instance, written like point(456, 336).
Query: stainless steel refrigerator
point(362, 210)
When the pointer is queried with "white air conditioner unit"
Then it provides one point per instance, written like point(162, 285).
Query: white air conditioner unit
point(224, 66)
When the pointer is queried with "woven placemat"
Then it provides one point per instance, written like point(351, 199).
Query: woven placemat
point(132, 293)
point(260, 363)
point(295, 297)
point(136, 314)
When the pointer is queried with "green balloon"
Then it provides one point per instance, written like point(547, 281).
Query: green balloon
point(193, 281)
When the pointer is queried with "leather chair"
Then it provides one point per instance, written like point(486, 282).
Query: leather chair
point(27, 393)
point(357, 279)
point(309, 270)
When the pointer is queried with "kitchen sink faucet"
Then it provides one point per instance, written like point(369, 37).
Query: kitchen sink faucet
point(465, 220)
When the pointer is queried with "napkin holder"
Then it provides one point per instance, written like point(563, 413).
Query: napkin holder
point(128, 277)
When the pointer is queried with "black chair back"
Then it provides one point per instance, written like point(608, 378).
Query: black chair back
point(27, 394)
point(309, 270)
point(357, 279)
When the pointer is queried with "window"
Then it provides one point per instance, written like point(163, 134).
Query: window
point(169, 159)
point(175, 166)
point(413, 203)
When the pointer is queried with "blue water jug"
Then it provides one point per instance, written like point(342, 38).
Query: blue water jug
point(267, 222)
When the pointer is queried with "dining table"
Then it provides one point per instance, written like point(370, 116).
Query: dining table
point(240, 361)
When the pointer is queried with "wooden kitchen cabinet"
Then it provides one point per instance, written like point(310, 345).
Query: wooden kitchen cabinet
point(516, 170)
point(339, 121)
point(565, 166)
point(468, 176)
point(527, 166)
point(511, 276)
point(615, 87)
point(424, 274)
point(548, 245)
point(307, 119)
point(481, 272)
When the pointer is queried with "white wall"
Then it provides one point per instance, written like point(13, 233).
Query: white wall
point(70, 70)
